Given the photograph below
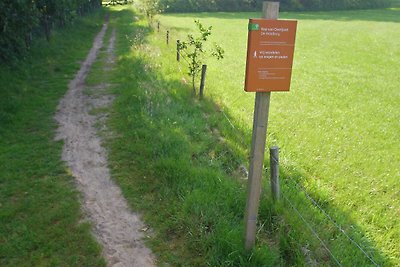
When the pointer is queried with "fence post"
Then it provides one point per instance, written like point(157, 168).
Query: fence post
point(158, 26)
point(178, 54)
point(274, 164)
point(203, 79)
point(167, 37)
point(260, 125)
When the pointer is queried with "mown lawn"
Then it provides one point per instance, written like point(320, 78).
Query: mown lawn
point(337, 128)
point(41, 222)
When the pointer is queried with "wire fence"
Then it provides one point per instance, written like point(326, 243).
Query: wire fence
point(290, 183)
point(339, 227)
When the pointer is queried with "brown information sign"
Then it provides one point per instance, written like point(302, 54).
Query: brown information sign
point(270, 52)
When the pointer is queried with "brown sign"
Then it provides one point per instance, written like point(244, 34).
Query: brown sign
point(270, 52)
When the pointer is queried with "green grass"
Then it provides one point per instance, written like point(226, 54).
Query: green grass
point(40, 216)
point(178, 159)
point(338, 126)
point(178, 162)
point(171, 162)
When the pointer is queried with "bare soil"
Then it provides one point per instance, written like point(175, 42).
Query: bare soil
point(115, 226)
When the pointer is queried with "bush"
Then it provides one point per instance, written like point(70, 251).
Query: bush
point(19, 20)
point(255, 5)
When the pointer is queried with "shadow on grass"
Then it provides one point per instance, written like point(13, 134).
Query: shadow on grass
point(40, 216)
point(178, 161)
point(378, 15)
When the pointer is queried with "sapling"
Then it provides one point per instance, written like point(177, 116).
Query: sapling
point(151, 8)
point(195, 53)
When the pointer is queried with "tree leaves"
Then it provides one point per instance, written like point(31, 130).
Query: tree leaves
point(151, 8)
point(195, 52)
point(255, 5)
point(19, 20)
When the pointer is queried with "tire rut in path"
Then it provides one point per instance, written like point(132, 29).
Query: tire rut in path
point(116, 228)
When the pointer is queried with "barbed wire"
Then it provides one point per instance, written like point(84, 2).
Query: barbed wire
point(312, 230)
point(339, 227)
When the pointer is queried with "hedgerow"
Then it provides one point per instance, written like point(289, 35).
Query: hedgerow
point(22, 20)
point(255, 5)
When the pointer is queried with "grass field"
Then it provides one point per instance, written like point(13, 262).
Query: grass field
point(41, 222)
point(338, 127)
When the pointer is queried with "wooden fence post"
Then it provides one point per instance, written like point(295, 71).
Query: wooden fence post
point(274, 164)
point(167, 37)
point(203, 80)
point(260, 124)
point(178, 53)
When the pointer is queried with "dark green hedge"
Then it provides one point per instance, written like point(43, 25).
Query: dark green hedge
point(254, 5)
point(20, 20)
point(333, 4)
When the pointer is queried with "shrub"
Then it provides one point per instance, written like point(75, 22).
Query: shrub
point(195, 52)
point(20, 19)
point(255, 5)
point(17, 20)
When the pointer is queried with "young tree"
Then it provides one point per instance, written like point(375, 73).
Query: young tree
point(195, 52)
point(151, 8)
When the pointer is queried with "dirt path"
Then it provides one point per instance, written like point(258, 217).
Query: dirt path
point(116, 228)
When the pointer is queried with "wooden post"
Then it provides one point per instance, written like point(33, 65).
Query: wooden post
point(203, 80)
point(47, 29)
point(178, 54)
point(274, 164)
point(167, 37)
point(260, 124)
point(158, 26)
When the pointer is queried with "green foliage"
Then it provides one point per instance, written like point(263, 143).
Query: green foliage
point(20, 20)
point(117, 2)
point(333, 4)
point(251, 5)
point(40, 214)
point(17, 21)
point(150, 8)
point(195, 51)
point(395, 3)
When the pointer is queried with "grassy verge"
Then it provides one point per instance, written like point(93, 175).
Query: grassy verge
point(173, 164)
point(40, 216)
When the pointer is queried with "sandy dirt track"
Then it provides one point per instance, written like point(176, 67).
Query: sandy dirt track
point(116, 228)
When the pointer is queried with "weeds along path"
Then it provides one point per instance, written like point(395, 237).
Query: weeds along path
point(115, 226)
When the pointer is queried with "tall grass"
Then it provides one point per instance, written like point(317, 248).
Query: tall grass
point(40, 217)
point(172, 163)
